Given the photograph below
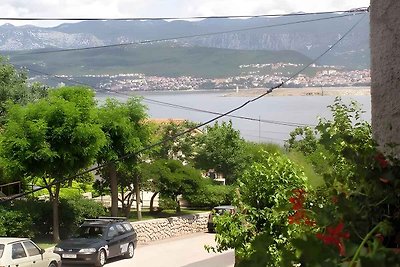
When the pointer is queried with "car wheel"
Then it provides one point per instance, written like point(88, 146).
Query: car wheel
point(53, 264)
point(101, 258)
point(131, 251)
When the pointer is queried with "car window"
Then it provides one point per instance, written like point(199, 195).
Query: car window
point(1, 250)
point(121, 230)
point(112, 232)
point(31, 248)
point(128, 227)
point(17, 251)
point(90, 231)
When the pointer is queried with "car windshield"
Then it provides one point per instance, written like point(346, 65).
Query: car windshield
point(1, 250)
point(90, 232)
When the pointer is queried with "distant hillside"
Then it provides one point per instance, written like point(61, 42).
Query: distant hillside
point(310, 38)
point(156, 60)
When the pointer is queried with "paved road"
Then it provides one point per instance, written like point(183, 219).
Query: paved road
point(186, 251)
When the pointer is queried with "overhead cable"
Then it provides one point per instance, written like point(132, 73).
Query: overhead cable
point(270, 90)
point(184, 36)
point(294, 14)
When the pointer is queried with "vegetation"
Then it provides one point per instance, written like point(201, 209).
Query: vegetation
point(259, 231)
point(51, 139)
point(157, 60)
point(350, 219)
point(223, 150)
point(33, 218)
point(125, 133)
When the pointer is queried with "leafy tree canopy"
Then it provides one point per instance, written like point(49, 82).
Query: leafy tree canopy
point(14, 88)
point(223, 149)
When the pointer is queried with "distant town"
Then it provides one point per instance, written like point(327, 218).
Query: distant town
point(253, 76)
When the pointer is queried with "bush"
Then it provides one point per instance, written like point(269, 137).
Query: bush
point(74, 210)
point(15, 223)
point(210, 196)
point(166, 203)
point(33, 218)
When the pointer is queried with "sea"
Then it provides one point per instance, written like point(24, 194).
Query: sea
point(269, 119)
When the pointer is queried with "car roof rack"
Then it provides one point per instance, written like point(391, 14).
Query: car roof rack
point(113, 218)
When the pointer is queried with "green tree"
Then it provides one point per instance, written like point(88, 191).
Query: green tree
point(175, 147)
point(171, 178)
point(53, 138)
point(259, 231)
point(126, 132)
point(221, 148)
point(14, 88)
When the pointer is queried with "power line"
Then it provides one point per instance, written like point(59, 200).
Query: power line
point(192, 128)
point(167, 104)
point(354, 10)
point(186, 36)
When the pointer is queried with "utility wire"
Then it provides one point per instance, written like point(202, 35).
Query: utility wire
point(167, 104)
point(187, 36)
point(354, 10)
point(54, 182)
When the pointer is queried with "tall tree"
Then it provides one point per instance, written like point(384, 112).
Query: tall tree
point(171, 178)
point(123, 124)
point(223, 149)
point(14, 89)
point(53, 138)
point(175, 147)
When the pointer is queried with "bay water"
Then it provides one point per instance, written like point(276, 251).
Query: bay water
point(269, 119)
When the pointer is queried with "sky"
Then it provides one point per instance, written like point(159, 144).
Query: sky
point(161, 8)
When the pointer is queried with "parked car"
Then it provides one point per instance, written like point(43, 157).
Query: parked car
point(24, 252)
point(98, 240)
point(216, 211)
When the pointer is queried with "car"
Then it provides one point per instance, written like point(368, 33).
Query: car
point(216, 211)
point(24, 252)
point(98, 240)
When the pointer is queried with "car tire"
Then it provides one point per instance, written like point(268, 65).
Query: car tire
point(53, 264)
point(101, 258)
point(130, 252)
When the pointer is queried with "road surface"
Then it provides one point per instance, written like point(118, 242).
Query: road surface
point(186, 251)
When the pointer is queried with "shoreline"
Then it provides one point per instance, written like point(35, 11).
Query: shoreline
point(305, 91)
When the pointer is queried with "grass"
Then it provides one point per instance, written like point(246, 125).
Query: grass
point(44, 241)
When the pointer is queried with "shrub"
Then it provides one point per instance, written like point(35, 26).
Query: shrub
point(15, 223)
point(74, 210)
point(166, 203)
point(33, 218)
point(261, 229)
point(211, 195)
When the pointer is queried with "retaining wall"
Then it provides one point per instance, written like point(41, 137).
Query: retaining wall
point(159, 229)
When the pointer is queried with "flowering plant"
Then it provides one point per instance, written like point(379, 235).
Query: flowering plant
point(356, 213)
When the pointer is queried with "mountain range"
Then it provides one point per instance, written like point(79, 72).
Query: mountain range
point(293, 33)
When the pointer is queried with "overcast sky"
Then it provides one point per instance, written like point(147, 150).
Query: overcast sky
point(162, 8)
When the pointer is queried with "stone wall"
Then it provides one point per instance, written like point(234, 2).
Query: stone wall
point(158, 229)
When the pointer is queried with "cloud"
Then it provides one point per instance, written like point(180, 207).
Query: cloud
point(163, 8)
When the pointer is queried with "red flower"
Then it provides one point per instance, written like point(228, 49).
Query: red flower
point(380, 158)
point(299, 215)
point(335, 236)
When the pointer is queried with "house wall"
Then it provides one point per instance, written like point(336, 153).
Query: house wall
point(385, 72)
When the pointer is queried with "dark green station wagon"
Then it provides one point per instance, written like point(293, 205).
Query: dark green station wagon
point(98, 240)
